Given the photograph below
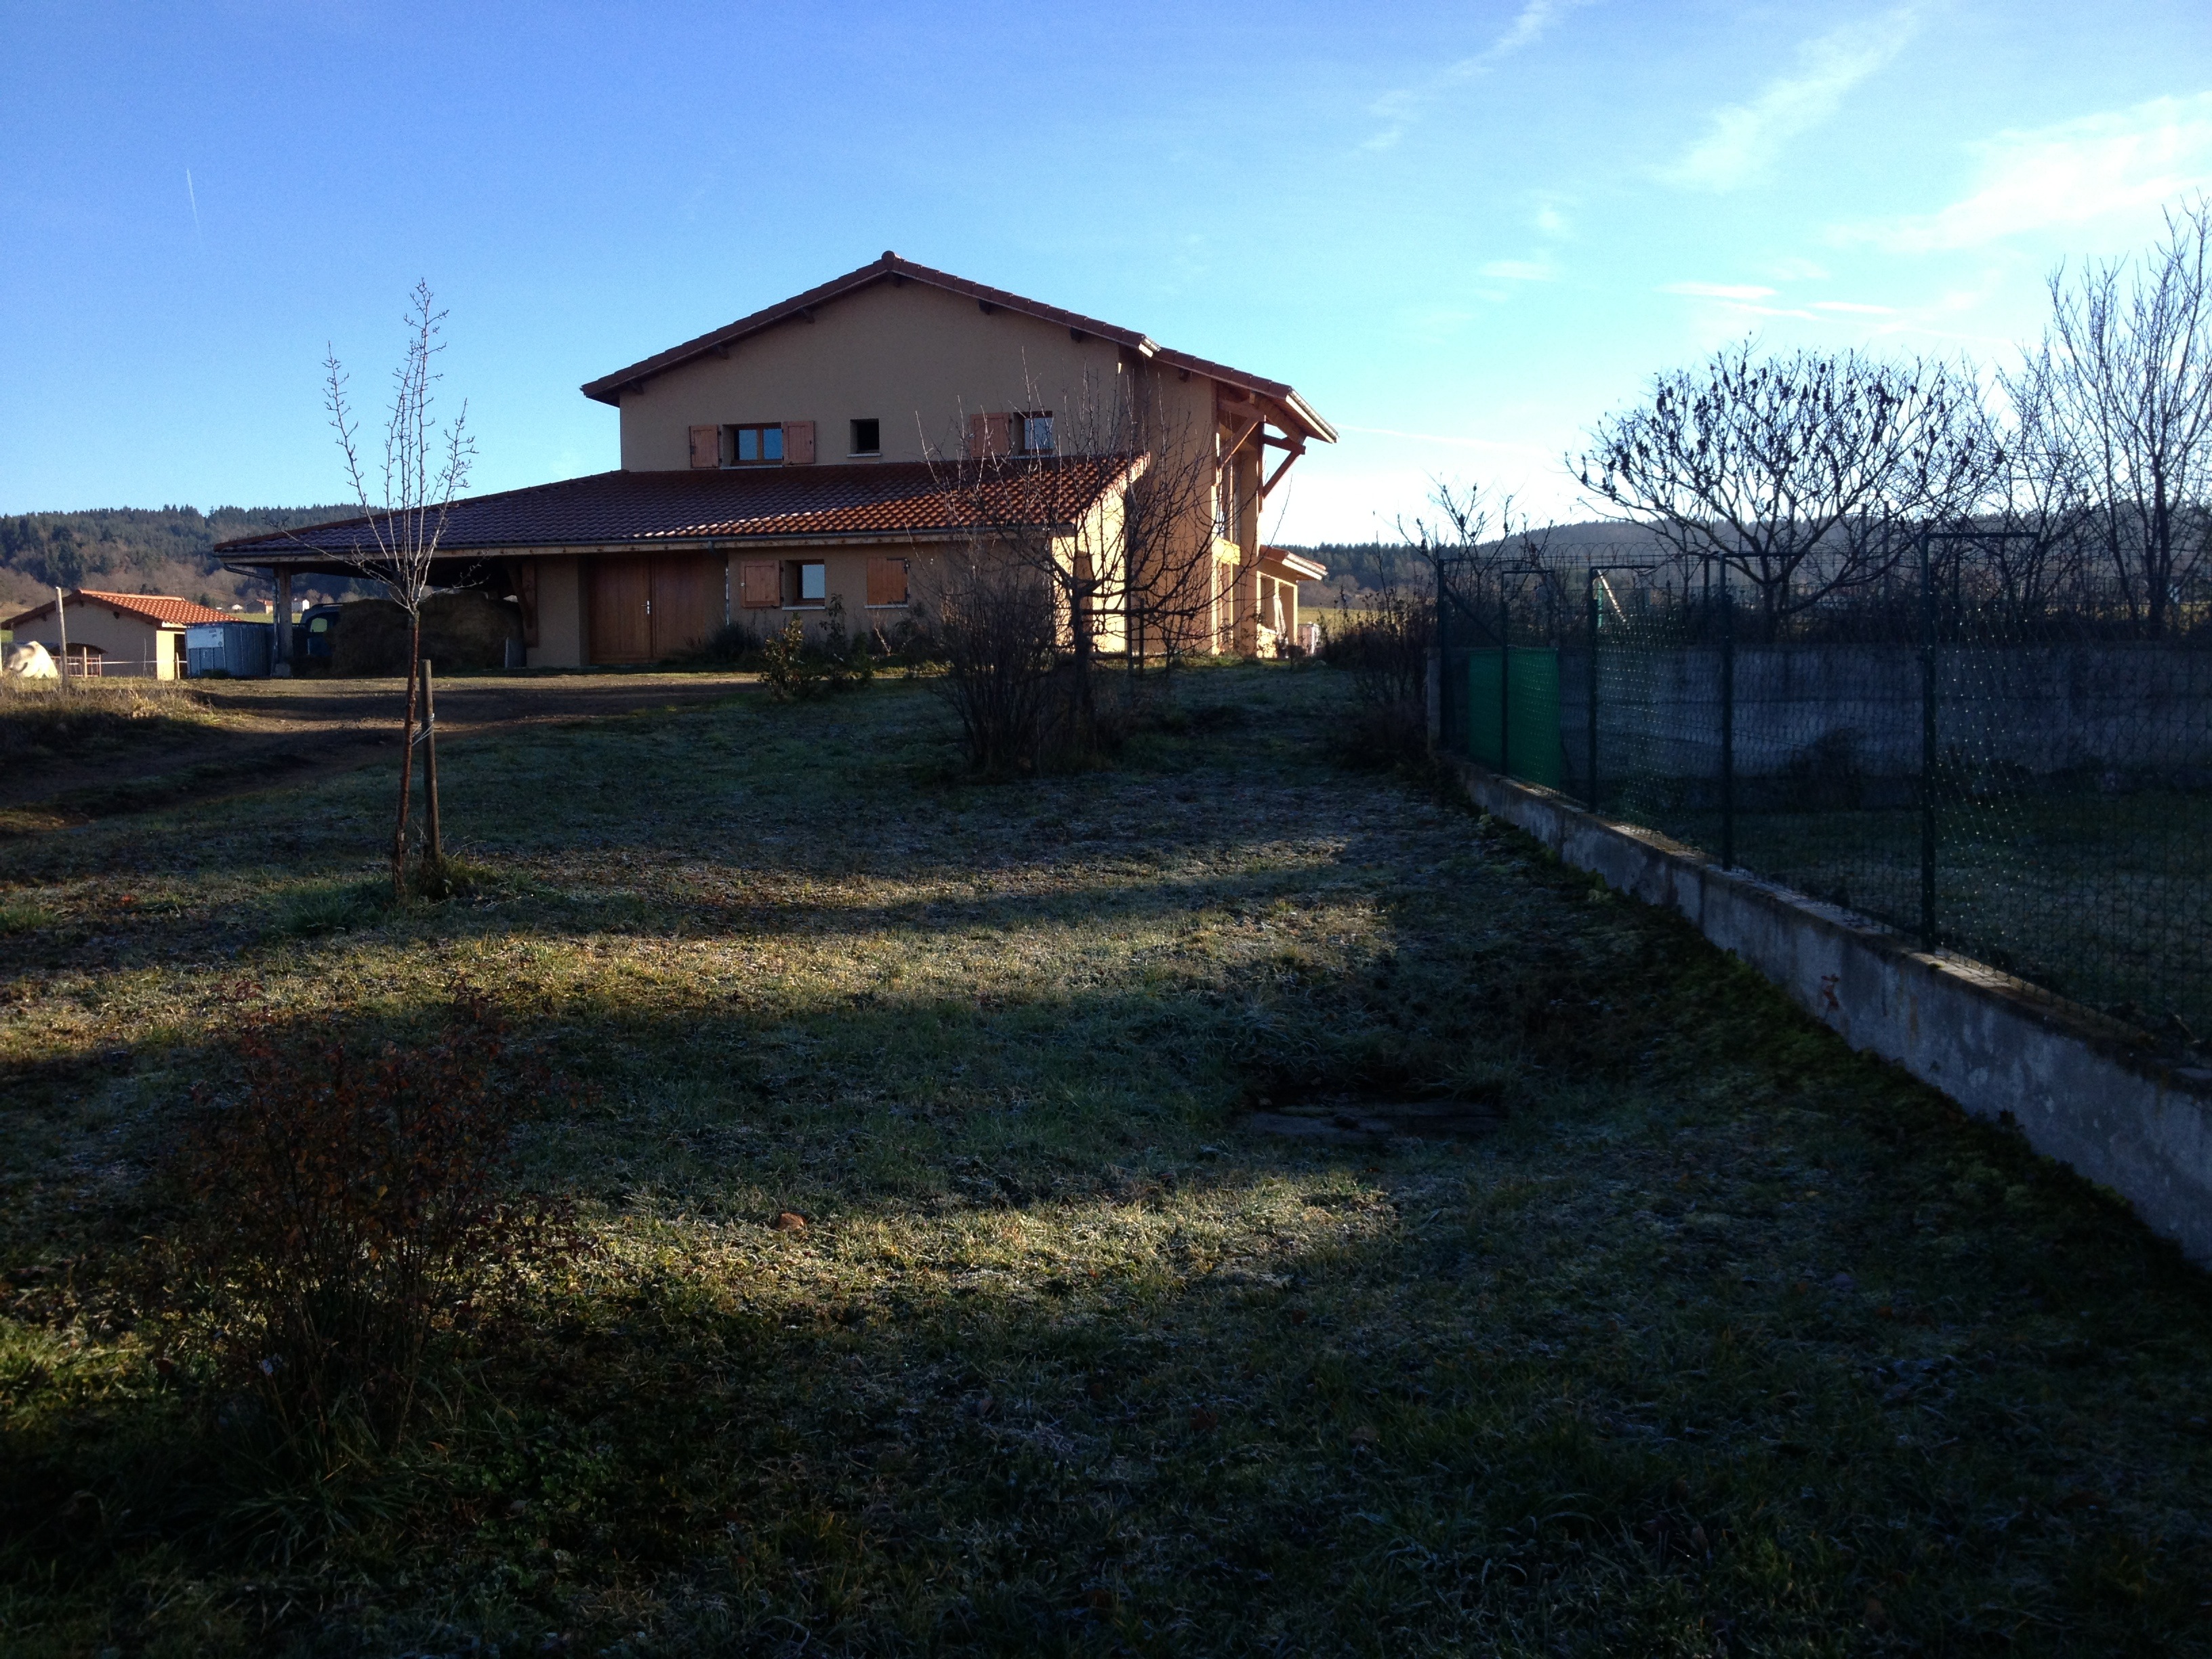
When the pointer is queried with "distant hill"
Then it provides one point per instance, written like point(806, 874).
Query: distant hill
point(132, 549)
point(1356, 567)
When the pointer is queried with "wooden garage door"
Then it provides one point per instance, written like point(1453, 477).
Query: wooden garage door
point(687, 603)
point(622, 626)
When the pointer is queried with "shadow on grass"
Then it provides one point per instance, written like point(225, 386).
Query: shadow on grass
point(1601, 1382)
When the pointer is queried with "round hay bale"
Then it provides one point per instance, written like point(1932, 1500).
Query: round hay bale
point(468, 629)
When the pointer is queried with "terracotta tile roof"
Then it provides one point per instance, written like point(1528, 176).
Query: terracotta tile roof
point(155, 607)
point(608, 388)
point(897, 500)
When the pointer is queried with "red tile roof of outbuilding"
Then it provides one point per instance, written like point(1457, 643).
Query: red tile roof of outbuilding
point(155, 607)
point(895, 500)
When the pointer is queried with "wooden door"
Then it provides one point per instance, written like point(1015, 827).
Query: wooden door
point(621, 623)
point(687, 603)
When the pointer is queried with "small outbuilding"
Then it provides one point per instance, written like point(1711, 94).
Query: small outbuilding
point(114, 634)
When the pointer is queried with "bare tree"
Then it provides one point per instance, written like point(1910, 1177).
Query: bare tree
point(2042, 497)
point(994, 623)
point(1797, 473)
point(2126, 369)
point(1107, 504)
point(1480, 552)
point(422, 467)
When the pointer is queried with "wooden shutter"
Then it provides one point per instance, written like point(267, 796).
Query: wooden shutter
point(990, 434)
point(705, 445)
point(760, 584)
point(799, 443)
point(886, 579)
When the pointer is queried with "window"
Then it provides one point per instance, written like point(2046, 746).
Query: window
point(810, 581)
point(886, 581)
point(1032, 434)
point(752, 446)
point(867, 438)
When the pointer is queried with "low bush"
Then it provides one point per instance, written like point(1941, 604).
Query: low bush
point(797, 668)
point(1385, 647)
point(346, 1210)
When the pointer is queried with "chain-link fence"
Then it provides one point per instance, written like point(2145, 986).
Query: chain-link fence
point(2025, 782)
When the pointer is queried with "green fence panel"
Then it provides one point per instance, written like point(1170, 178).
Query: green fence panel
point(1526, 742)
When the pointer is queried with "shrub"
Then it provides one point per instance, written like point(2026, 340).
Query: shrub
point(1385, 645)
point(346, 1208)
point(796, 669)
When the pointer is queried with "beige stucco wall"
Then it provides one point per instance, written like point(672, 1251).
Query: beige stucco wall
point(915, 359)
point(128, 644)
point(918, 362)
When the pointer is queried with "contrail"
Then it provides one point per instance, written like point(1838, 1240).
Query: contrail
point(193, 198)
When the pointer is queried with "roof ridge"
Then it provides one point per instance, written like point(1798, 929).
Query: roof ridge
point(608, 388)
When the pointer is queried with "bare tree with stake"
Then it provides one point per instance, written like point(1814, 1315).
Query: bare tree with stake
point(423, 466)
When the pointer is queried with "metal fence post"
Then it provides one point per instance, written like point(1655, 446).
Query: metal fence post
point(1443, 662)
point(1589, 780)
point(1504, 683)
point(1927, 747)
point(1728, 723)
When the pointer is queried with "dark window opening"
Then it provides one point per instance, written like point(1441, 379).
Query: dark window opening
point(867, 438)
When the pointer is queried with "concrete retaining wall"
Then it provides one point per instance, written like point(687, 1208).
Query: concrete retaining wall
point(2082, 1088)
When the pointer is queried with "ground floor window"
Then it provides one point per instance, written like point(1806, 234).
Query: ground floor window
point(810, 582)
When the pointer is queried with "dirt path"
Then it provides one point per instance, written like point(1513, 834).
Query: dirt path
point(265, 732)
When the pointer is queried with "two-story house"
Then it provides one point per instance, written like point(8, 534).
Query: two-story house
point(830, 447)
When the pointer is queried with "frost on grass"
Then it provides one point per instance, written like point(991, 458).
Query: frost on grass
point(1724, 1341)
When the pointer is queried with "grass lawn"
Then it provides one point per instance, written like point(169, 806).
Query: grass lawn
point(1723, 1341)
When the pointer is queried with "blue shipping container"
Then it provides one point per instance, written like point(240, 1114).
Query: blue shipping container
point(239, 649)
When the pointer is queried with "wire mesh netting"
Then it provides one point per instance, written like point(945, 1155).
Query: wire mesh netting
point(2024, 783)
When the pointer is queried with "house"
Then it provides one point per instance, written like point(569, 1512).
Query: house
point(825, 454)
point(112, 634)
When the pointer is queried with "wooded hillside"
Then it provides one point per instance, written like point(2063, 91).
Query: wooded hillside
point(167, 550)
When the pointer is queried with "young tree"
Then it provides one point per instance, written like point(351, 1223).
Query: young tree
point(422, 467)
point(2125, 373)
point(1798, 473)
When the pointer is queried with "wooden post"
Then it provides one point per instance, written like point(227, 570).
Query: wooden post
point(406, 762)
point(280, 659)
point(61, 620)
point(434, 853)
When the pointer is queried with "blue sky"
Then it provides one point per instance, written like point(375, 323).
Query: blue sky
point(1463, 231)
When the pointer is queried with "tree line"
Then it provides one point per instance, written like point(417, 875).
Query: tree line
point(125, 547)
point(2077, 479)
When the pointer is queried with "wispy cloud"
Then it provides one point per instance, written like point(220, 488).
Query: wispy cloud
point(2120, 161)
point(1398, 110)
point(1852, 307)
point(1718, 290)
point(1518, 270)
point(1743, 139)
point(192, 199)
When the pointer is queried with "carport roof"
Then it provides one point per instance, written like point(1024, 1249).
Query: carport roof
point(898, 500)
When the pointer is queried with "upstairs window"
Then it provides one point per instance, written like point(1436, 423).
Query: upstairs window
point(1032, 434)
point(752, 446)
point(867, 438)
